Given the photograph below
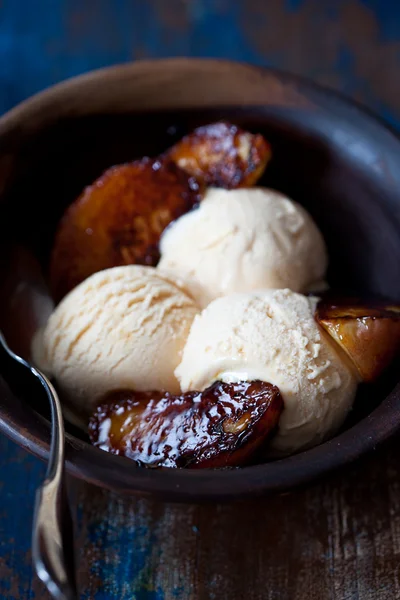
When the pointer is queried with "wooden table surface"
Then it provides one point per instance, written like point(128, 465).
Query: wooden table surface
point(337, 539)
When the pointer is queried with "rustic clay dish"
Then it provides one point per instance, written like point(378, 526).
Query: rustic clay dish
point(329, 154)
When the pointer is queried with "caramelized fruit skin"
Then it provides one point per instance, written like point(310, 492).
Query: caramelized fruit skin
point(369, 333)
point(118, 220)
point(222, 155)
point(220, 427)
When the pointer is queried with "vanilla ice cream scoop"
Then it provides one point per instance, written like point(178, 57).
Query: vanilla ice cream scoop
point(272, 335)
point(122, 328)
point(244, 239)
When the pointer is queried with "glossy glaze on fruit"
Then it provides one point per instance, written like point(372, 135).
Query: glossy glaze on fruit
point(118, 220)
point(223, 426)
point(222, 155)
point(368, 332)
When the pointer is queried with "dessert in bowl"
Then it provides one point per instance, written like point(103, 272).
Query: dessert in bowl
point(211, 357)
point(243, 359)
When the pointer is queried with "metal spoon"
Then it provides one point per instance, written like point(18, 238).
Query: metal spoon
point(52, 536)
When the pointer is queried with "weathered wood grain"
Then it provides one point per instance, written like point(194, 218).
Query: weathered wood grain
point(336, 540)
point(351, 45)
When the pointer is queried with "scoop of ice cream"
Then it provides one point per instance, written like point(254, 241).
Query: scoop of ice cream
point(122, 328)
point(272, 335)
point(242, 240)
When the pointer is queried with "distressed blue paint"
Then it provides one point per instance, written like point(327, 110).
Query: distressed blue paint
point(19, 474)
point(294, 4)
point(45, 41)
point(130, 568)
point(216, 35)
point(48, 41)
point(61, 46)
point(387, 13)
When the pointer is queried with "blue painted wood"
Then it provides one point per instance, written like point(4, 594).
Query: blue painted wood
point(140, 549)
point(351, 45)
point(19, 475)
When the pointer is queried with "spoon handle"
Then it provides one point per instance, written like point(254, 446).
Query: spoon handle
point(52, 537)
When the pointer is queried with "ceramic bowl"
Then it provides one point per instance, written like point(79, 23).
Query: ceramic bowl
point(329, 154)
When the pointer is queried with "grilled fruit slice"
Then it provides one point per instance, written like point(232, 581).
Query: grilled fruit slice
point(222, 155)
point(368, 333)
point(222, 426)
point(118, 220)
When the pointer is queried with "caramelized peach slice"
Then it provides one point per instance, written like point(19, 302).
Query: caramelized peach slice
point(222, 155)
point(222, 426)
point(369, 334)
point(118, 220)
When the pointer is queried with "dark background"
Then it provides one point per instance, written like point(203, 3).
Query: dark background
point(338, 539)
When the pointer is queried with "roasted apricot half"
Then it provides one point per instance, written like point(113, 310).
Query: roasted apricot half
point(368, 333)
point(221, 427)
point(222, 155)
point(118, 220)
